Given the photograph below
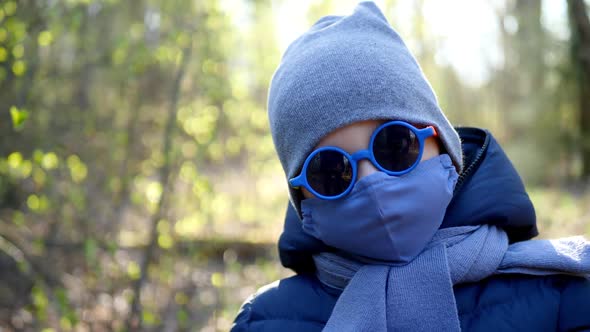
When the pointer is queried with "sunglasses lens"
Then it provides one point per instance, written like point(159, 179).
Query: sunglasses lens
point(396, 148)
point(329, 173)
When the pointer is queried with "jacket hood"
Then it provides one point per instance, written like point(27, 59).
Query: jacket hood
point(489, 191)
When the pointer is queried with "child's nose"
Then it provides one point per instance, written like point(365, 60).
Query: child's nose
point(365, 167)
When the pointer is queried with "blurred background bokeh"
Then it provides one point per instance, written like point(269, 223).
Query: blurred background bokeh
point(139, 187)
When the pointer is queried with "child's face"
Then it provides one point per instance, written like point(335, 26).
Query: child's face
point(356, 137)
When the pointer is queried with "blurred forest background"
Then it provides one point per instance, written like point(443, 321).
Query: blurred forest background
point(139, 187)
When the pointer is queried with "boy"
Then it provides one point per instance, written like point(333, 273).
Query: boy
point(382, 231)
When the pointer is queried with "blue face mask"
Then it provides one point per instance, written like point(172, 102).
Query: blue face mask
point(385, 217)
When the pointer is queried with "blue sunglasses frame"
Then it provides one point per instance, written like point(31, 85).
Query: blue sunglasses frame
point(421, 134)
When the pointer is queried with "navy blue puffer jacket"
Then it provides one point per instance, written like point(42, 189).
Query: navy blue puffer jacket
point(489, 191)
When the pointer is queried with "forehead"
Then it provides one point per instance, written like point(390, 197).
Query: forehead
point(353, 137)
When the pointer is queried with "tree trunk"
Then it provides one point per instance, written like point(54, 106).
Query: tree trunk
point(134, 320)
point(580, 39)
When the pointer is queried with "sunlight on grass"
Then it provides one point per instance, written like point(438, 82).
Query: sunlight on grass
point(561, 213)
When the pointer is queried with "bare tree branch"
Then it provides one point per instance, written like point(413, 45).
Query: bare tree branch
point(134, 322)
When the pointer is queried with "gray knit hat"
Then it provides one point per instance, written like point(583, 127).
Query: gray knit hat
point(343, 70)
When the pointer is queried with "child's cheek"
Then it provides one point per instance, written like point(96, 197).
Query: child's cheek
point(431, 148)
point(306, 193)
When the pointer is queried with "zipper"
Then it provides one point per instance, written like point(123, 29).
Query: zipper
point(476, 161)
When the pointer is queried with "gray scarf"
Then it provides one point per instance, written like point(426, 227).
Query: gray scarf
point(418, 296)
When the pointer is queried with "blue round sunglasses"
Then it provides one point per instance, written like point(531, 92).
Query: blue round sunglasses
point(395, 148)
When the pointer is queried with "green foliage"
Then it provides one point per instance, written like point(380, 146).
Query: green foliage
point(40, 301)
point(95, 178)
point(19, 116)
